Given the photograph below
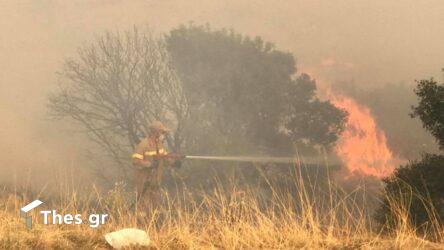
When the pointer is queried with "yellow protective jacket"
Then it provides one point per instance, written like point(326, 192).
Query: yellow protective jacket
point(146, 149)
point(147, 178)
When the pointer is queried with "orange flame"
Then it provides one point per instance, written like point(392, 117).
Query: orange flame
point(362, 146)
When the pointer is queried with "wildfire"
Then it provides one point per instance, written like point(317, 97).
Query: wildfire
point(362, 146)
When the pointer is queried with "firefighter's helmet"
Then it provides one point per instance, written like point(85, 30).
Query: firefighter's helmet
point(158, 126)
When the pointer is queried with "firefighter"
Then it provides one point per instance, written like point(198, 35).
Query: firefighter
point(149, 160)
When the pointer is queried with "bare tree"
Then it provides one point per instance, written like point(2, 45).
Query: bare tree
point(115, 87)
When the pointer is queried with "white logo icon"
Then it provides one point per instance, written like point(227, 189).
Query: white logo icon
point(24, 210)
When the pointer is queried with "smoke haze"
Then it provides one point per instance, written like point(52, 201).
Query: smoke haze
point(369, 43)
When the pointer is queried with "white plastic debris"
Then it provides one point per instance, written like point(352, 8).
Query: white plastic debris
point(127, 237)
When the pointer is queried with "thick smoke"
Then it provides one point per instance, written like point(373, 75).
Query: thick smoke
point(369, 44)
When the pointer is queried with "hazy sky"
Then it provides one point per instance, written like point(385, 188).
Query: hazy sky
point(369, 42)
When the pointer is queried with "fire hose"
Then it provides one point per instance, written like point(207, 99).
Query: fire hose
point(260, 159)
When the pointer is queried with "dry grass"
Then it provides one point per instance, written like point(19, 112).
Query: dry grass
point(238, 218)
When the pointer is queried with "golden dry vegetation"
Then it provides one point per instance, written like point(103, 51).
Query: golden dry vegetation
point(234, 218)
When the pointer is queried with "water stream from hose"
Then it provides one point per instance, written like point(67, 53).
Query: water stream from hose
point(244, 158)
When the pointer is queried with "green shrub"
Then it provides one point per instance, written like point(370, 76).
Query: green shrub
point(417, 188)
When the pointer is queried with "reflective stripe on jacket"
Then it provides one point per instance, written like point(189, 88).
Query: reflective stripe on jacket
point(147, 147)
